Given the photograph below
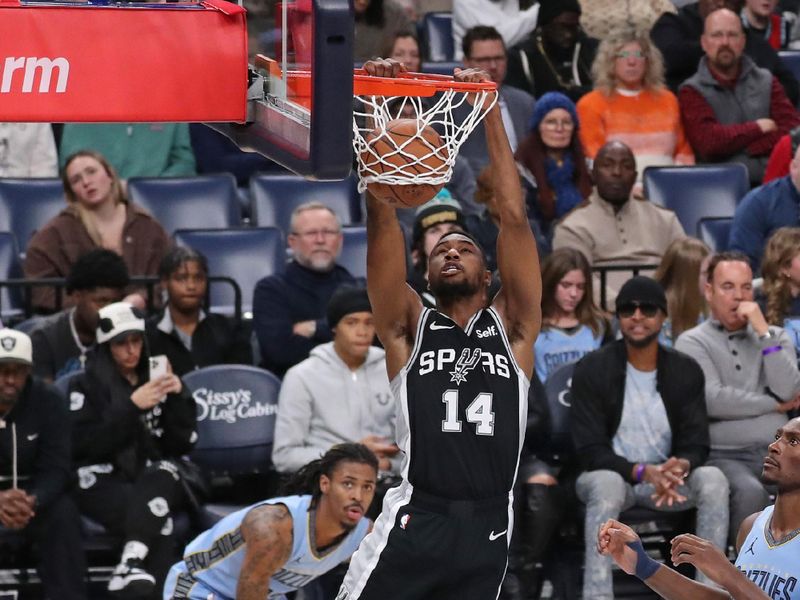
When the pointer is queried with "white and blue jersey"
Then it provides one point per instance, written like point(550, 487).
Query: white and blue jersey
point(213, 560)
point(556, 346)
point(772, 566)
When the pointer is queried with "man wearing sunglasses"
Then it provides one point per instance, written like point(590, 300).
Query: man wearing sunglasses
point(640, 428)
point(752, 380)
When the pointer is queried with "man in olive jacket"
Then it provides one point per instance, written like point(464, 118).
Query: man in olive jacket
point(640, 428)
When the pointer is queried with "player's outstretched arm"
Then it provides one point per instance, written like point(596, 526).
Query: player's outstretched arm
point(520, 298)
point(267, 532)
point(395, 306)
point(619, 541)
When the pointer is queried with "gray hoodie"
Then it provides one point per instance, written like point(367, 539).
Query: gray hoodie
point(322, 403)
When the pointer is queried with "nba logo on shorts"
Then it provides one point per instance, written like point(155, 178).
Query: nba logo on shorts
point(404, 521)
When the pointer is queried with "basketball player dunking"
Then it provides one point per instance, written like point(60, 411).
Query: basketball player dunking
point(460, 375)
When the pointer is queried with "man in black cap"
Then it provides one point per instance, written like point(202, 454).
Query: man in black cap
point(557, 56)
point(35, 504)
point(640, 429)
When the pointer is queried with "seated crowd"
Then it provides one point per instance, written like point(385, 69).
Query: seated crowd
point(679, 379)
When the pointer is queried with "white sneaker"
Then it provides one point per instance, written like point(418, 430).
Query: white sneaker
point(130, 580)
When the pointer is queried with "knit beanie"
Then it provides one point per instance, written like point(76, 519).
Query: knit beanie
point(551, 101)
point(550, 9)
point(443, 208)
point(345, 300)
point(642, 290)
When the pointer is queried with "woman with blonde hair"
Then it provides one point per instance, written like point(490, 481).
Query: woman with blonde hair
point(631, 104)
point(572, 324)
point(780, 268)
point(98, 215)
point(682, 273)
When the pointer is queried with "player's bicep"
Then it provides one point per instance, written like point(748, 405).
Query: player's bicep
point(267, 533)
point(521, 295)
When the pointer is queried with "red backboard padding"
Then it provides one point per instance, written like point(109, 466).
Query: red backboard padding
point(123, 64)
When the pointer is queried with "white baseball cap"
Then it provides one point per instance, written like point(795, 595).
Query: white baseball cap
point(15, 346)
point(115, 319)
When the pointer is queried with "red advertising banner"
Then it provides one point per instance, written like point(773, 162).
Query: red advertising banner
point(157, 62)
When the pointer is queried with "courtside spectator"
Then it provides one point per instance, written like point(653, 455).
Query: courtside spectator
point(98, 215)
point(678, 38)
point(484, 49)
point(630, 104)
point(600, 17)
point(557, 56)
point(61, 341)
point(289, 307)
point(553, 159)
point(759, 16)
point(733, 110)
point(639, 424)
point(375, 22)
point(190, 337)
point(765, 209)
point(338, 394)
point(27, 150)
point(35, 505)
point(134, 149)
point(752, 380)
point(610, 228)
point(432, 220)
point(512, 19)
point(572, 324)
point(780, 294)
point(682, 274)
point(129, 432)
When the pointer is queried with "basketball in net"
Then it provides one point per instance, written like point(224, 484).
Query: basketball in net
point(406, 135)
point(404, 151)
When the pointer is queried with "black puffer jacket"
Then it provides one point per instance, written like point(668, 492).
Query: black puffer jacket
point(109, 428)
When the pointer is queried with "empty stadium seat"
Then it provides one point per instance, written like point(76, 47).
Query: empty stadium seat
point(203, 201)
point(437, 34)
point(715, 232)
point(27, 204)
point(246, 255)
point(791, 60)
point(273, 197)
point(10, 268)
point(440, 68)
point(354, 251)
point(236, 411)
point(697, 192)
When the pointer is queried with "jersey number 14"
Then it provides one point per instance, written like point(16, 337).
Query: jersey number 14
point(479, 412)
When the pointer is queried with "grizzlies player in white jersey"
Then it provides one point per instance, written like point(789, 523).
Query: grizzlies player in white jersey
point(277, 546)
point(460, 376)
point(768, 544)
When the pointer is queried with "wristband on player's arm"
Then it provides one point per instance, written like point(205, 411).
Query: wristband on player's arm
point(646, 567)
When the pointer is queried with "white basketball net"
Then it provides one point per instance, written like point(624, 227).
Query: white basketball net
point(373, 113)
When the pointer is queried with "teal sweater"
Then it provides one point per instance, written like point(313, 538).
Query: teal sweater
point(134, 149)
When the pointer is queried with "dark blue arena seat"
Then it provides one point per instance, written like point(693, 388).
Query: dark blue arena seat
point(245, 254)
point(715, 232)
point(27, 204)
point(354, 251)
point(202, 201)
point(697, 192)
point(437, 34)
point(273, 197)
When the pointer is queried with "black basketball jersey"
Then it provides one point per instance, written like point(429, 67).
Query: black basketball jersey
point(462, 402)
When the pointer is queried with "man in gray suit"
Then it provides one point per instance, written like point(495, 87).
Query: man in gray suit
point(484, 49)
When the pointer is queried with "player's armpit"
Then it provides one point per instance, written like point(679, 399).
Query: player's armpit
point(267, 532)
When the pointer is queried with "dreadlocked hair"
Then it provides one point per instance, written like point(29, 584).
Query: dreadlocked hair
point(306, 480)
